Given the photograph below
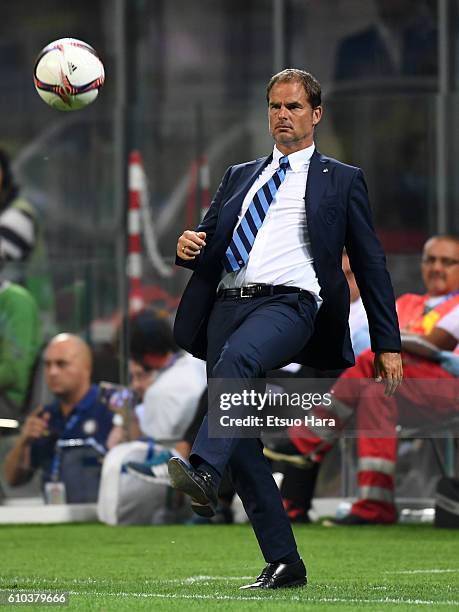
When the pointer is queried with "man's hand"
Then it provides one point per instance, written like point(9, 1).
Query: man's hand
point(35, 426)
point(17, 465)
point(389, 367)
point(190, 244)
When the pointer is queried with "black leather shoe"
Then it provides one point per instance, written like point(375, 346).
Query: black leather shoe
point(283, 450)
point(197, 484)
point(280, 576)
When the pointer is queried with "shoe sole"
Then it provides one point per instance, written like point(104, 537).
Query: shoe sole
point(294, 585)
point(151, 479)
point(299, 461)
point(204, 510)
point(180, 479)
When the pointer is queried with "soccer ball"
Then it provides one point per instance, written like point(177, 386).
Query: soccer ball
point(68, 74)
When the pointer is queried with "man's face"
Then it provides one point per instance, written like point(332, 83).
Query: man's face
point(66, 370)
point(291, 117)
point(140, 378)
point(440, 266)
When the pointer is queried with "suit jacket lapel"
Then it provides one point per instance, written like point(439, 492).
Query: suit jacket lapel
point(240, 183)
point(318, 179)
point(248, 176)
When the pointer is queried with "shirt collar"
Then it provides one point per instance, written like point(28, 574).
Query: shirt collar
point(297, 160)
point(84, 404)
point(88, 399)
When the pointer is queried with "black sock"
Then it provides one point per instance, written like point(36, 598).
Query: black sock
point(292, 557)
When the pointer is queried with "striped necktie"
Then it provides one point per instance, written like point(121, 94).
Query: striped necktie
point(237, 254)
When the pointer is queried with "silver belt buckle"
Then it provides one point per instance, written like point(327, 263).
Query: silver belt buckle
point(247, 295)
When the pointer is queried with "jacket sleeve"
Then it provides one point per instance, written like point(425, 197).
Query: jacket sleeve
point(368, 263)
point(209, 223)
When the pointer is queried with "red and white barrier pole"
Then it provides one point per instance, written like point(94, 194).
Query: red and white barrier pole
point(134, 258)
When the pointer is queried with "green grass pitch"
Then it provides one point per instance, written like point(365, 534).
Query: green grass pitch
point(201, 567)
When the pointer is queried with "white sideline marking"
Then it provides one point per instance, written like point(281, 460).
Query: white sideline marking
point(305, 598)
point(193, 579)
point(425, 571)
point(89, 580)
point(204, 578)
point(386, 600)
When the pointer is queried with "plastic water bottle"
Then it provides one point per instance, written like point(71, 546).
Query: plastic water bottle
point(343, 509)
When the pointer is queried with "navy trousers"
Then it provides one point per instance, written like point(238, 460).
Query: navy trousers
point(246, 338)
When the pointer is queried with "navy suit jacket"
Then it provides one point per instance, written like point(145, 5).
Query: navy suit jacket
point(338, 215)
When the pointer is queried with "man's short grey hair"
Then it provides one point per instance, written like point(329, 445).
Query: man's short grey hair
point(310, 83)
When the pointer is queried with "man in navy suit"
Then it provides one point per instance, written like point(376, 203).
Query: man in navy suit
point(268, 289)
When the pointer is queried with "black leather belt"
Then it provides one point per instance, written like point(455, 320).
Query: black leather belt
point(258, 290)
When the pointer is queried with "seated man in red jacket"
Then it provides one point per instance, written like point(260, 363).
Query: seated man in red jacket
point(432, 317)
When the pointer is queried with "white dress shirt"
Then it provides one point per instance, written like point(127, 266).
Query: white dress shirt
point(281, 253)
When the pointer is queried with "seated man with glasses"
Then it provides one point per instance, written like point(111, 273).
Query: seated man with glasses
point(429, 326)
